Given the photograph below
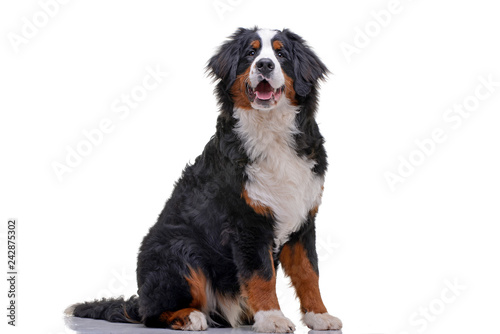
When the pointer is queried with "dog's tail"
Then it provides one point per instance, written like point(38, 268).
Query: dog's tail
point(112, 309)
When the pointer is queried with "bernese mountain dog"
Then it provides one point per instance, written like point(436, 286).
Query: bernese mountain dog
point(247, 204)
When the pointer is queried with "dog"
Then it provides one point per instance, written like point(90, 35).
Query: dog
point(247, 204)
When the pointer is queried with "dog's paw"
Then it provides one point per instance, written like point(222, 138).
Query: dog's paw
point(321, 321)
point(196, 321)
point(272, 322)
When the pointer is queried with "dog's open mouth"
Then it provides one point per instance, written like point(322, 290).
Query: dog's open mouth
point(264, 93)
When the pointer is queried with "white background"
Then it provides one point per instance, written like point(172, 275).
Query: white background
point(385, 255)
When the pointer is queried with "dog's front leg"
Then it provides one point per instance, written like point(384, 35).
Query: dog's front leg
point(257, 276)
point(299, 260)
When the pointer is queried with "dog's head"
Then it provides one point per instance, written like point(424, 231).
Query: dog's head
point(261, 69)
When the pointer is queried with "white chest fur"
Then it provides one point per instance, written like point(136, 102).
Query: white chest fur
point(277, 177)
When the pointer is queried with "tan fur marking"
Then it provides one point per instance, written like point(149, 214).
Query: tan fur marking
point(177, 319)
point(197, 283)
point(255, 44)
point(305, 280)
point(129, 319)
point(238, 91)
point(261, 293)
point(314, 211)
point(277, 45)
point(256, 206)
point(289, 91)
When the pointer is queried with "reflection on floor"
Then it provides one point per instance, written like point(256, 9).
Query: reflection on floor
point(91, 326)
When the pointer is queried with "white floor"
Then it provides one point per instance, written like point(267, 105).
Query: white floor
point(91, 326)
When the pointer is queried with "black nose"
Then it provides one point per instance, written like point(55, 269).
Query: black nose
point(265, 66)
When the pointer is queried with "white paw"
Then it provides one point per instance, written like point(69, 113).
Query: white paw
point(321, 321)
point(272, 322)
point(197, 322)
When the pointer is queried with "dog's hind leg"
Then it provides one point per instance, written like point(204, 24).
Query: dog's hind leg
point(180, 303)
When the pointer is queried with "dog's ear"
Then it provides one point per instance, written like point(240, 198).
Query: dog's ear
point(224, 63)
point(307, 67)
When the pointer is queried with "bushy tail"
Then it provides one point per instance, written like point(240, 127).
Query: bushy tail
point(112, 309)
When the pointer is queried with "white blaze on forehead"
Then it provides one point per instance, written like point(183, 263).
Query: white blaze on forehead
point(276, 79)
point(267, 48)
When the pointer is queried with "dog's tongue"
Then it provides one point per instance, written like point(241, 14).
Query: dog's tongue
point(264, 91)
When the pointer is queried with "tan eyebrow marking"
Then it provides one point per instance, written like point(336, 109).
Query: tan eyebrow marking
point(277, 45)
point(255, 44)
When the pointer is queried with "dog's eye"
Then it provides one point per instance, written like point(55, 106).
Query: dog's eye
point(251, 53)
point(280, 54)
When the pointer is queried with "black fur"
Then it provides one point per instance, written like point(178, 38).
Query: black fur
point(113, 309)
point(307, 67)
point(206, 223)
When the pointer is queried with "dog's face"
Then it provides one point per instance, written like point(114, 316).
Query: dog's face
point(264, 79)
point(261, 69)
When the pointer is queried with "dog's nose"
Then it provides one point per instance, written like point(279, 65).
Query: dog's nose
point(265, 66)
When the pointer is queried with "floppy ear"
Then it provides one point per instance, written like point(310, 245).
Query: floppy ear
point(224, 63)
point(307, 67)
